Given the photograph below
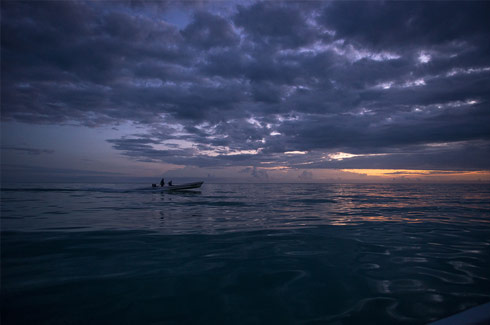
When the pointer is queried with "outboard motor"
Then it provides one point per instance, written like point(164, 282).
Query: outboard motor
point(153, 185)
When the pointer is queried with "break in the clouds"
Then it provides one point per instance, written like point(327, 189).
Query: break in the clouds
point(264, 84)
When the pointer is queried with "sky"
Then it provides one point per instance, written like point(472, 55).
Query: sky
point(263, 91)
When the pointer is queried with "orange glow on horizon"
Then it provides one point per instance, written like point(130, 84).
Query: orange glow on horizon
point(415, 173)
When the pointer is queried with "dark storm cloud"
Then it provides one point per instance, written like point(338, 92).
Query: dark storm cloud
point(208, 31)
point(30, 151)
point(245, 85)
point(276, 24)
point(393, 25)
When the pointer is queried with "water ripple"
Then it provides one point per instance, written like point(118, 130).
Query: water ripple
point(244, 253)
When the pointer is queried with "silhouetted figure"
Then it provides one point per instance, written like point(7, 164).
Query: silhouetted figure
point(170, 183)
point(162, 182)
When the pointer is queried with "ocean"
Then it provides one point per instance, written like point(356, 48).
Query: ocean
point(243, 253)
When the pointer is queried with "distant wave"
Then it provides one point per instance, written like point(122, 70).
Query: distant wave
point(87, 189)
point(105, 190)
point(92, 190)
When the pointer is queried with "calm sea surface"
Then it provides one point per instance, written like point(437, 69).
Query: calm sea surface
point(243, 254)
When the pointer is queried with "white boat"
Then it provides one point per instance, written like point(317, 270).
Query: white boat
point(186, 186)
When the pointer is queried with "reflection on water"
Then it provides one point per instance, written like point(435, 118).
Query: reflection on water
point(242, 207)
point(244, 253)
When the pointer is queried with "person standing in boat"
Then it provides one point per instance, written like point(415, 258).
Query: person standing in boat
point(162, 182)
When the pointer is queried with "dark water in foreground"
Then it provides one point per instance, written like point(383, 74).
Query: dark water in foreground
point(244, 253)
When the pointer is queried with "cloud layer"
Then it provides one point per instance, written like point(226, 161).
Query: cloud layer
point(267, 84)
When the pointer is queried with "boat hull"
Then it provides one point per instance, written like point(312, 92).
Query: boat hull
point(180, 187)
